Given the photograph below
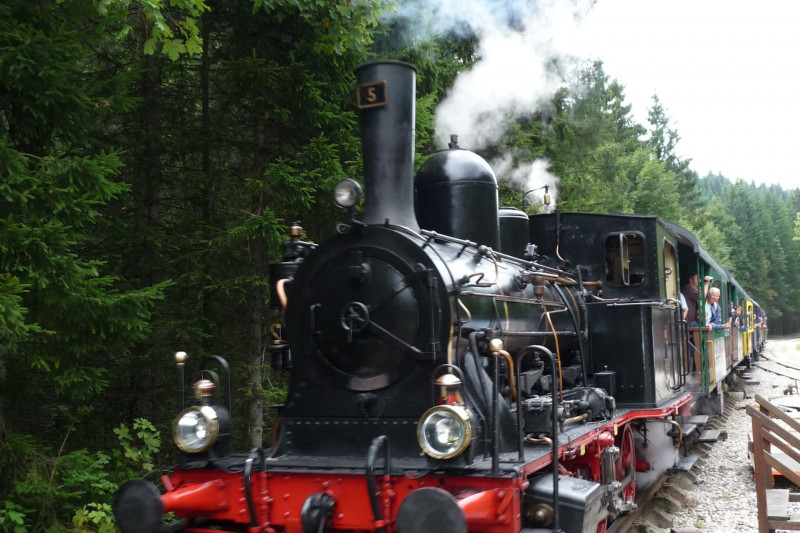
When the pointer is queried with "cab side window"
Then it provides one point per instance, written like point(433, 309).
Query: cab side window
point(624, 259)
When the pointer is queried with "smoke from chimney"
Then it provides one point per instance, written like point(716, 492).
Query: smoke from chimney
point(518, 41)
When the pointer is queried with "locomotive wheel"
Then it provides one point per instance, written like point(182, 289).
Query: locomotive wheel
point(627, 461)
point(601, 525)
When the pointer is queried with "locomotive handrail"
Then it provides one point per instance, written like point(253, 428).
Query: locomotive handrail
point(575, 322)
point(511, 298)
point(542, 333)
point(566, 281)
point(524, 352)
point(377, 442)
point(677, 344)
point(684, 351)
point(642, 303)
point(248, 494)
point(447, 238)
point(495, 416)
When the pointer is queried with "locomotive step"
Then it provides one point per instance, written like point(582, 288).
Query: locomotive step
point(686, 430)
point(684, 464)
point(709, 435)
point(698, 420)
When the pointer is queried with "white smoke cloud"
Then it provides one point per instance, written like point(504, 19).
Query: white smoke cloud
point(517, 40)
point(658, 450)
point(532, 176)
point(508, 82)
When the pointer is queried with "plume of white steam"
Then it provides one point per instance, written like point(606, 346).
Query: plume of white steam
point(527, 176)
point(658, 450)
point(517, 39)
point(509, 81)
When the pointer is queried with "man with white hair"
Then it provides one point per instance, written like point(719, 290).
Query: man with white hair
point(714, 311)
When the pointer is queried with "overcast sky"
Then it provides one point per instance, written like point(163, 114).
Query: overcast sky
point(727, 72)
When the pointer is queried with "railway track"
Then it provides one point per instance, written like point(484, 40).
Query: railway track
point(630, 522)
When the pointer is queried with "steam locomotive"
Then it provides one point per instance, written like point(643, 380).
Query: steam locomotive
point(455, 366)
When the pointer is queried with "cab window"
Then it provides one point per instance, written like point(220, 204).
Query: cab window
point(624, 259)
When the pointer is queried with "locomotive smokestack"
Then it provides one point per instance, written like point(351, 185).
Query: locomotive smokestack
point(386, 97)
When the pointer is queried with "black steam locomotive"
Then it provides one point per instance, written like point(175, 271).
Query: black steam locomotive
point(456, 366)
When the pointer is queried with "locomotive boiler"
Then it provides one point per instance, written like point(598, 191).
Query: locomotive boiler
point(446, 374)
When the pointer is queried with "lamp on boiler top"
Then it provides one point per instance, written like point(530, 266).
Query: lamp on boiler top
point(546, 198)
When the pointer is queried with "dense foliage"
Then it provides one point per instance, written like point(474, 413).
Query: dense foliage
point(152, 155)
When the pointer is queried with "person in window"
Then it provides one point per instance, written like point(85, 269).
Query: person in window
point(714, 311)
point(689, 292)
point(733, 316)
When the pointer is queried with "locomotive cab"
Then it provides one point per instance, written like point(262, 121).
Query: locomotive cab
point(635, 326)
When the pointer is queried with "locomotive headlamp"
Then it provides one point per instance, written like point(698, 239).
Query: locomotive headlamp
point(347, 193)
point(444, 431)
point(196, 429)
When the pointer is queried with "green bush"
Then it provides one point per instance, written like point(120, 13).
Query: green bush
point(47, 486)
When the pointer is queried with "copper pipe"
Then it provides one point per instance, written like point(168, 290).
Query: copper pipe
point(548, 440)
point(500, 289)
point(542, 317)
point(281, 291)
point(578, 418)
point(565, 281)
point(510, 363)
point(278, 339)
point(672, 422)
point(558, 358)
point(464, 307)
point(575, 306)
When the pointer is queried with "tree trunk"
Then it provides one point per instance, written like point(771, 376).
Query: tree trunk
point(259, 261)
point(256, 407)
point(143, 259)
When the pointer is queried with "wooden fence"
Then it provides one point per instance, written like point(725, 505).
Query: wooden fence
point(775, 440)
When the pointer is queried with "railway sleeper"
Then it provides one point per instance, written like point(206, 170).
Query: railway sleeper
point(676, 491)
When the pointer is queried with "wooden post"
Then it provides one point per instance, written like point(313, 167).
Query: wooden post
point(763, 473)
point(771, 439)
